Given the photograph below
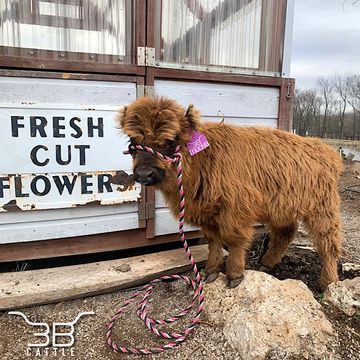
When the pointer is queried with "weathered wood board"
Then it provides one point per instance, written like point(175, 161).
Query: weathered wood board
point(34, 287)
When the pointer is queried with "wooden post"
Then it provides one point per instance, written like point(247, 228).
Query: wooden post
point(286, 104)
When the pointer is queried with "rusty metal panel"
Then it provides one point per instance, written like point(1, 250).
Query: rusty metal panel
point(63, 155)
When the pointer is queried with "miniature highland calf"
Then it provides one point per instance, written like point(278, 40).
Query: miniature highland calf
point(246, 175)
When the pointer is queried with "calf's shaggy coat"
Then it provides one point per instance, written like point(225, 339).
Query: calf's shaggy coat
point(246, 175)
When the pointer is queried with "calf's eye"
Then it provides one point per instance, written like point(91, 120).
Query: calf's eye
point(170, 143)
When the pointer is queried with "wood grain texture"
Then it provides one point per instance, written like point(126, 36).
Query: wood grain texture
point(90, 244)
point(21, 289)
point(71, 66)
point(178, 74)
point(67, 75)
point(286, 104)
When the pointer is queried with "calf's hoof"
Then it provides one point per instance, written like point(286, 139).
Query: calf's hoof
point(264, 268)
point(211, 277)
point(233, 283)
point(326, 280)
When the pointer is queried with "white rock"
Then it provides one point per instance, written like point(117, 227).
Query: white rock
point(264, 315)
point(345, 295)
point(350, 267)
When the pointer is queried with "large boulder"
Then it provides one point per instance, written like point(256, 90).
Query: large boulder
point(345, 295)
point(265, 316)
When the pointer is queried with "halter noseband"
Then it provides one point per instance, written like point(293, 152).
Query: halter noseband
point(135, 148)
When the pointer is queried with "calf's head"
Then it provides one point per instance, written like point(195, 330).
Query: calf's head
point(161, 124)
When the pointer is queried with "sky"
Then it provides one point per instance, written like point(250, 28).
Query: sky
point(326, 40)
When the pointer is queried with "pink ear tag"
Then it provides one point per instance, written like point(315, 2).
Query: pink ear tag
point(197, 143)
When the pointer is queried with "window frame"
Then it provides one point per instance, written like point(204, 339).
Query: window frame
point(78, 61)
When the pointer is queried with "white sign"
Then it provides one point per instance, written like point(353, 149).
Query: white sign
point(56, 158)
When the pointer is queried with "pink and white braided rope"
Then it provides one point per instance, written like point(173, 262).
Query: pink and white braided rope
point(197, 286)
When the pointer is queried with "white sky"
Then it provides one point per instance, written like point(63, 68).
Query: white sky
point(326, 40)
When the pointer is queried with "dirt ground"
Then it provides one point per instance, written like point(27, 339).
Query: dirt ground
point(207, 341)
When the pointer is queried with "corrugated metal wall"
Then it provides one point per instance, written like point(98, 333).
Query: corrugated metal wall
point(242, 34)
point(234, 33)
point(89, 27)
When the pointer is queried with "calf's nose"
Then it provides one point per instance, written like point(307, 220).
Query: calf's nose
point(144, 175)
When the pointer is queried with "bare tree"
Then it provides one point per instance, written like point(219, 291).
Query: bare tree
point(299, 112)
point(355, 85)
point(342, 84)
point(354, 100)
point(318, 104)
point(352, 1)
point(306, 112)
point(327, 92)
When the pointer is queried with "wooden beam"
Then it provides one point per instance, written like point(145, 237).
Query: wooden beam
point(28, 288)
point(219, 77)
point(150, 223)
point(68, 75)
point(102, 64)
point(89, 244)
point(286, 104)
point(140, 22)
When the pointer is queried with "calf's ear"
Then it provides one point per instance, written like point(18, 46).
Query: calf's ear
point(192, 117)
point(121, 117)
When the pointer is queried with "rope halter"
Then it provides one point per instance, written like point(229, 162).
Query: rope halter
point(196, 284)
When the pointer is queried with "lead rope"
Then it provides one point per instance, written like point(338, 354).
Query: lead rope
point(197, 286)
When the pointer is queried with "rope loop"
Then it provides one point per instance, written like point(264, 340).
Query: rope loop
point(198, 297)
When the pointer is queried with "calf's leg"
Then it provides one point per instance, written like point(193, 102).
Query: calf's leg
point(280, 238)
point(215, 257)
point(238, 244)
point(235, 265)
point(324, 226)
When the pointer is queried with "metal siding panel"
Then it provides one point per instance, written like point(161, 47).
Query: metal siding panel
point(67, 227)
point(67, 213)
point(200, 33)
point(288, 38)
point(63, 93)
point(166, 224)
point(242, 36)
point(223, 99)
point(88, 27)
point(159, 200)
point(243, 121)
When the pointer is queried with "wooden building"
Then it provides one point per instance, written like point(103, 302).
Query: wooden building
point(66, 66)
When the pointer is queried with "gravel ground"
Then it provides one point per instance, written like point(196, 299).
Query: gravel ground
point(207, 341)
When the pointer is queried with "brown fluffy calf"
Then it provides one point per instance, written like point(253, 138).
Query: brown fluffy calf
point(247, 175)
